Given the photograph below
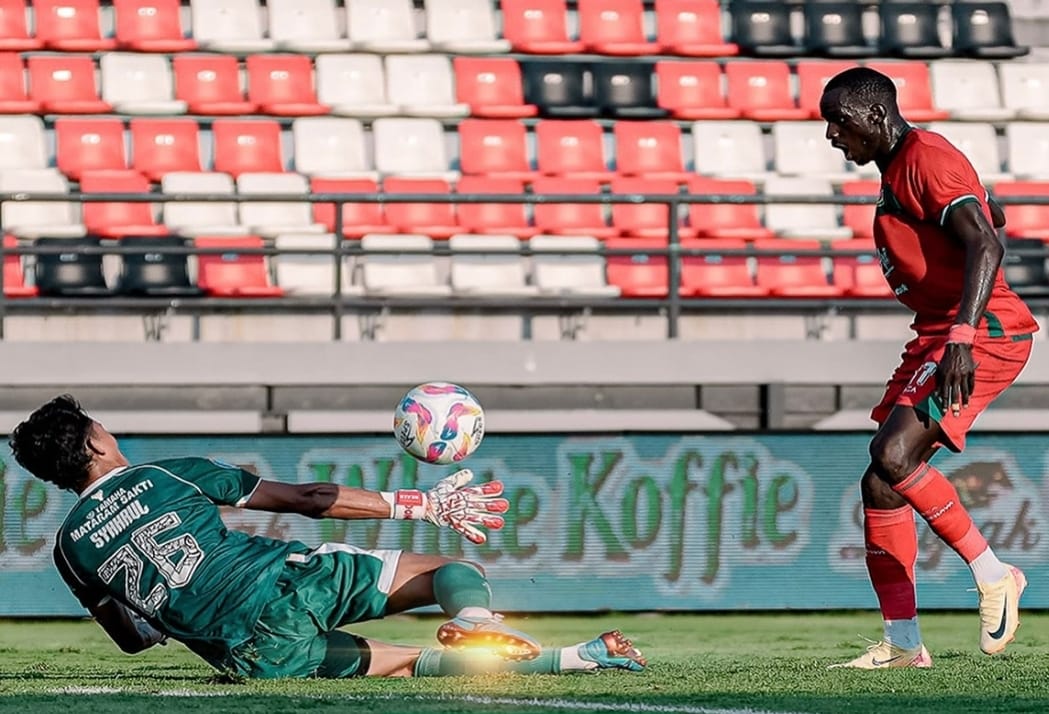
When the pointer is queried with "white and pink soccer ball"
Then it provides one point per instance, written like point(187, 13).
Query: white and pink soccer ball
point(439, 423)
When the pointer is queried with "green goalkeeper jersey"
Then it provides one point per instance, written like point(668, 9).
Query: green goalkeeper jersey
point(151, 537)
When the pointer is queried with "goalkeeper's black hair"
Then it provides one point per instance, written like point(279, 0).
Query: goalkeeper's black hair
point(52, 443)
point(865, 86)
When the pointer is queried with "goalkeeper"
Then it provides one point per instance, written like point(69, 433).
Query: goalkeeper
point(145, 551)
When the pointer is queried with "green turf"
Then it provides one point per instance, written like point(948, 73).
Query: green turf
point(767, 662)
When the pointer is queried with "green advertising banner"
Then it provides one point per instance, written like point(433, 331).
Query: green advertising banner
point(641, 522)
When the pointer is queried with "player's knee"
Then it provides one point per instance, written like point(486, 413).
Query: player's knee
point(891, 459)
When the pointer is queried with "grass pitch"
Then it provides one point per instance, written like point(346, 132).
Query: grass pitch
point(699, 664)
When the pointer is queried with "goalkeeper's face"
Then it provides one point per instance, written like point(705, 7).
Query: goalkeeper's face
point(853, 129)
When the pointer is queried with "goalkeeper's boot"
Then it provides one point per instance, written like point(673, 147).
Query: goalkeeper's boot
point(488, 632)
point(884, 655)
point(1000, 610)
point(612, 650)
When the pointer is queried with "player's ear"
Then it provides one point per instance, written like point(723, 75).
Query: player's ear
point(878, 113)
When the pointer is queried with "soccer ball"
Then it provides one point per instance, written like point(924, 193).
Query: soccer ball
point(439, 423)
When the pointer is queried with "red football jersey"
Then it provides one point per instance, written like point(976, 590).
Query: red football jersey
point(926, 178)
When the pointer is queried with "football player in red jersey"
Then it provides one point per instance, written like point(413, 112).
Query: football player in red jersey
point(935, 234)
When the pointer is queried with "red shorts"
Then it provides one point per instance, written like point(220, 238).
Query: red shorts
point(999, 362)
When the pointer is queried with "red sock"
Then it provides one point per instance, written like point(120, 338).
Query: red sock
point(936, 500)
point(892, 547)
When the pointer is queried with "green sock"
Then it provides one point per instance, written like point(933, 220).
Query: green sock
point(434, 662)
point(459, 585)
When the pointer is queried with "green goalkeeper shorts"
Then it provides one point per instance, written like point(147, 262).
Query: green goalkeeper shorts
point(318, 591)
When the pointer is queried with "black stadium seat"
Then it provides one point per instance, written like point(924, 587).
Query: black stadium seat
point(560, 89)
point(984, 29)
point(156, 274)
point(835, 29)
point(626, 90)
point(763, 29)
point(1026, 274)
point(70, 273)
point(909, 29)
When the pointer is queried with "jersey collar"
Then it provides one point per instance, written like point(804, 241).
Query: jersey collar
point(898, 146)
point(99, 481)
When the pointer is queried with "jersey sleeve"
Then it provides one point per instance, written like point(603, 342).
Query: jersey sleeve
point(224, 484)
point(88, 596)
point(940, 179)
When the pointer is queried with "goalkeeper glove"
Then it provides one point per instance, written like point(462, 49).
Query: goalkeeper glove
point(453, 504)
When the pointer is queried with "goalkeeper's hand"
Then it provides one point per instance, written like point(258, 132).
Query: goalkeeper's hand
point(453, 504)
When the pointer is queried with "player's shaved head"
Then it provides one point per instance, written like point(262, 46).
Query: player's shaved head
point(863, 118)
point(52, 443)
point(863, 87)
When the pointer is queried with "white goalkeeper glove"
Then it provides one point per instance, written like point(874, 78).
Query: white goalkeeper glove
point(453, 504)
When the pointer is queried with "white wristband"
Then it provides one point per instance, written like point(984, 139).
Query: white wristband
point(405, 504)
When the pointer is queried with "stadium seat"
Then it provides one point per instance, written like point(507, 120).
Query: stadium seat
point(233, 274)
point(730, 149)
point(493, 218)
point(638, 275)
point(383, 26)
point(725, 221)
point(155, 272)
point(817, 221)
point(572, 149)
point(860, 275)
point(984, 30)
point(331, 147)
point(762, 28)
point(1025, 270)
point(282, 85)
point(14, 28)
point(968, 90)
point(718, 273)
point(626, 90)
point(913, 90)
point(835, 29)
point(1028, 149)
point(492, 88)
point(813, 76)
point(436, 220)
point(22, 143)
point(89, 145)
point(1025, 89)
point(233, 26)
point(151, 26)
point(14, 99)
point(160, 146)
point(210, 84)
point(310, 274)
point(648, 220)
point(691, 28)
point(139, 84)
point(502, 272)
point(14, 275)
point(405, 266)
point(651, 149)
point(570, 219)
point(204, 218)
point(306, 26)
point(411, 147)
point(353, 85)
point(979, 143)
point(692, 90)
point(271, 219)
point(72, 273)
point(559, 89)
point(70, 26)
point(247, 146)
point(762, 91)
point(802, 149)
point(910, 30)
point(1025, 221)
point(791, 274)
point(494, 147)
point(118, 220)
point(569, 266)
point(358, 219)
point(614, 27)
point(859, 217)
point(463, 27)
point(423, 86)
point(538, 27)
point(65, 84)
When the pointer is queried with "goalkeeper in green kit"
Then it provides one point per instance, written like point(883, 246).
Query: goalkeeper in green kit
point(145, 551)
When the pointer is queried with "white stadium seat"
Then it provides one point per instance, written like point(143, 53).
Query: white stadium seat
point(423, 86)
point(1028, 149)
point(306, 26)
point(463, 27)
point(383, 26)
point(139, 84)
point(578, 272)
point(817, 221)
point(310, 274)
point(802, 149)
point(730, 149)
point(271, 219)
point(1025, 88)
point(353, 85)
point(411, 147)
point(205, 218)
point(501, 273)
point(979, 143)
point(22, 143)
point(229, 26)
point(410, 269)
point(968, 90)
point(39, 219)
point(330, 147)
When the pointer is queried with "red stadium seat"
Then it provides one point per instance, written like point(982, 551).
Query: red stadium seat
point(65, 84)
point(492, 87)
point(538, 27)
point(860, 217)
point(283, 85)
point(151, 26)
point(913, 89)
point(715, 274)
point(570, 219)
point(813, 75)
point(614, 27)
point(493, 218)
point(13, 96)
point(160, 146)
point(14, 30)
point(436, 220)
point(1025, 221)
point(494, 147)
point(89, 145)
point(651, 149)
point(573, 149)
point(860, 275)
point(71, 26)
point(116, 220)
point(644, 220)
point(761, 91)
point(358, 219)
point(642, 276)
point(692, 28)
point(737, 221)
point(247, 146)
point(692, 90)
point(793, 275)
point(210, 84)
point(14, 275)
point(233, 274)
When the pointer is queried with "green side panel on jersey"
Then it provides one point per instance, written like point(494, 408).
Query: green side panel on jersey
point(994, 325)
